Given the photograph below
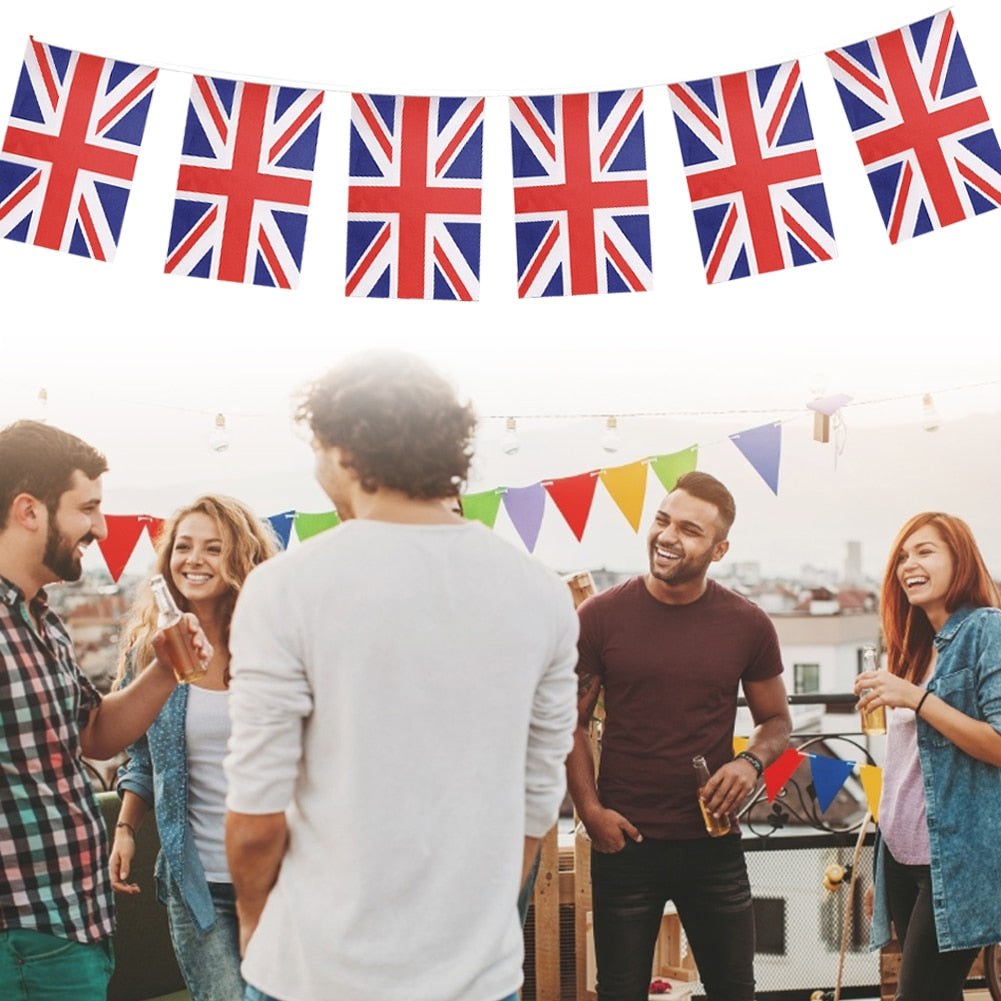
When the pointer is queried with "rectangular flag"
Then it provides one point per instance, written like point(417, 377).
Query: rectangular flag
point(753, 172)
point(414, 195)
point(70, 151)
point(582, 218)
point(244, 182)
point(921, 127)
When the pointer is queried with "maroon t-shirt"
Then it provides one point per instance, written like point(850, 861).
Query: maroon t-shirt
point(671, 675)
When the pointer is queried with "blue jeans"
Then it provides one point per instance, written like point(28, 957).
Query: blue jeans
point(253, 994)
point(706, 878)
point(925, 973)
point(35, 966)
point(209, 961)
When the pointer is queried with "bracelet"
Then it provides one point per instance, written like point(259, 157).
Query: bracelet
point(917, 708)
point(128, 827)
point(754, 759)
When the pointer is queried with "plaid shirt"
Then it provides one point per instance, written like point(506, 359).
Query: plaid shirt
point(53, 844)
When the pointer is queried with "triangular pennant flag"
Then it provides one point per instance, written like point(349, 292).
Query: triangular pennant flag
point(872, 783)
point(573, 496)
point(627, 487)
point(282, 525)
point(829, 775)
point(739, 744)
point(670, 468)
point(526, 506)
point(307, 525)
point(762, 447)
point(778, 773)
point(117, 547)
point(482, 506)
point(153, 526)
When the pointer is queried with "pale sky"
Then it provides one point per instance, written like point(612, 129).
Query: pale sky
point(139, 362)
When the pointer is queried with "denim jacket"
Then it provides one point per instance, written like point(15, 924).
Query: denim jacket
point(157, 771)
point(963, 795)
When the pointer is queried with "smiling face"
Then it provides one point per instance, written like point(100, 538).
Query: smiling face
point(925, 567)
point(684, 539)
point(77, 522)
point(197, 559)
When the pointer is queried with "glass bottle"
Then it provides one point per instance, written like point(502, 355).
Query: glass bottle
point(716, 826)
point(873, 720)
point(185, 661)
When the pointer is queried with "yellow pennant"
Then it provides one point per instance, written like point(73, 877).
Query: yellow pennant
point(627, 487)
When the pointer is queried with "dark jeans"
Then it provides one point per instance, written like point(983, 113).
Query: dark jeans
point(707, 881)
point(925, 973)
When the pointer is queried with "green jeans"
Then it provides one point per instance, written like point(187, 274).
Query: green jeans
point(35, 966)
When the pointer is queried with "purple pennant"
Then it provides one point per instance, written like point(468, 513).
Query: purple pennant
point(762, 447)
point(525, 507)
point(829, 775)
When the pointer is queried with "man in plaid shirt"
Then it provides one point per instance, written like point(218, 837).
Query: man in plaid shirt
point(56, 906)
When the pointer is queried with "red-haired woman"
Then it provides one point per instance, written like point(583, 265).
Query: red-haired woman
point(939, 849)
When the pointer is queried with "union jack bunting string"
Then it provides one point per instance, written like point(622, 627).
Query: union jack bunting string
point(753, 172)
point(416, 168)
point(921, 128)
point(582, 221)
point(70, 151)
point(244, 182)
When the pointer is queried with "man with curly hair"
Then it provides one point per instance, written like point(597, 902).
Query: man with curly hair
point(403, 701)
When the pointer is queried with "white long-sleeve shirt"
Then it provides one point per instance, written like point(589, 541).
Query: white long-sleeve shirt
point(406, 694)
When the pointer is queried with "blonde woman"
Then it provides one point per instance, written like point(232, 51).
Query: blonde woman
point(204, 552)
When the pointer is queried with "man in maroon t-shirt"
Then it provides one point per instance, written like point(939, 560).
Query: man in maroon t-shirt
point(670, 649)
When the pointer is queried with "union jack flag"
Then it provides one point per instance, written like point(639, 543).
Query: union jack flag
point(416, 167)
point(582, 221)
point(244, 182)
point(921, 128)
point(70, 151)
point(753, 172)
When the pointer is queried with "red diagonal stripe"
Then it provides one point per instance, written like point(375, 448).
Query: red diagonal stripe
point(721, 241)
point(804, 237)
point(541, 254)
point(18, 196)
point(897, 217)
point(840, 60)
point(980, 183)
point(89, 230)
point(459, 138)
point(45, 68)
point(773, 125)
point(624, 122)
point(192, 238)
point(301, 120)
point(533, 122)
point(212, 104)
point(695, 107)
point(134, 94)
point(620, 262)
point(941, 54)
point(376, 125)
point(364, 264)
point(453, 276)
point(281, 279)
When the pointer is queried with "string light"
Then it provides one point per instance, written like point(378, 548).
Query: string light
point(219, 435)
point(42, 405)
point(509, 440)
point(610, 437)
point(930, 419)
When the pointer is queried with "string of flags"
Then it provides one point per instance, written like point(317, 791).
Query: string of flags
point(415, 171)
point(827, 774)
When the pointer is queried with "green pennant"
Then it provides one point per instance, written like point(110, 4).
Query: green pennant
point(483, 506)
point(670, 468)
point(307, 525)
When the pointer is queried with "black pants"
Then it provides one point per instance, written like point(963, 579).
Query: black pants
point(707, 881)
point(926, 974)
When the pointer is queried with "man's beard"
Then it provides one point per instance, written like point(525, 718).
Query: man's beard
point(61, 556)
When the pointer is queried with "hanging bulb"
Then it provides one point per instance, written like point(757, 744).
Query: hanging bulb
point(509, 440)
point(42, 405)
point(930, 419)
point(219, 436)
point(610, 436)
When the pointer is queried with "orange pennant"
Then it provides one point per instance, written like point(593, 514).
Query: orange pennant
point(627, 487)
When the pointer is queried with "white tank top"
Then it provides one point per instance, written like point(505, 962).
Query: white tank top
point(207, 732)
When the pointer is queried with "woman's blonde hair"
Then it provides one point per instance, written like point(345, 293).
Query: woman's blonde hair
point(247, 541)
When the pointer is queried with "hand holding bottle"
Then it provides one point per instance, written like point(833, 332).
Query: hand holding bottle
point(180, 643)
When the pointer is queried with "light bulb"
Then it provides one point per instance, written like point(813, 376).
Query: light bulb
point(930, 419)
point(219, 436)
point(509, 440)
point(610, 436)
point(42, 405)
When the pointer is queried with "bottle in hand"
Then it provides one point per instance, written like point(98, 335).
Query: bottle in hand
point(873, 721)
point(184, 660)
point(716, 826)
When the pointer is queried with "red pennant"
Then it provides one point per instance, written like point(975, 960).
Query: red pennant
point(778, 773)
point(123, 534)
point(153, 526)
point(573, 496)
